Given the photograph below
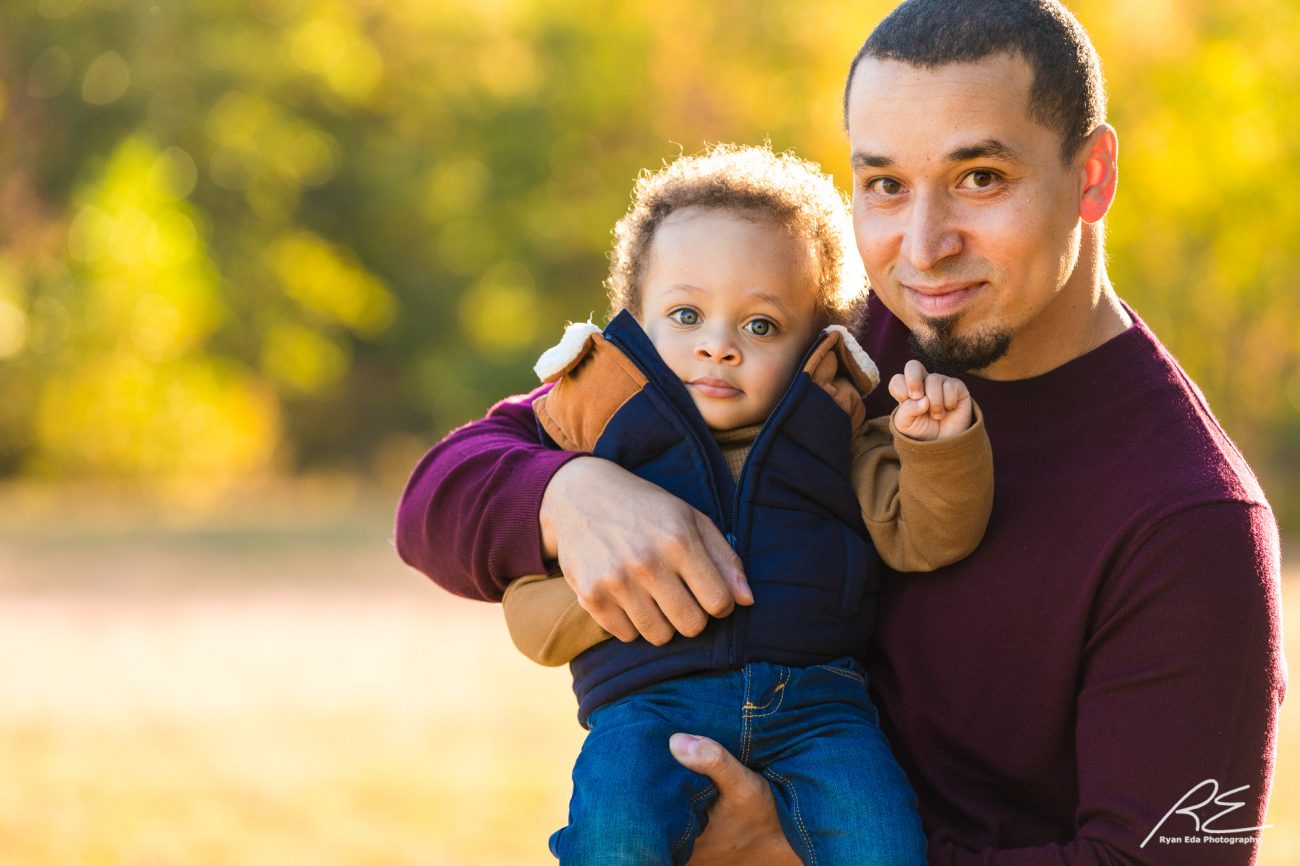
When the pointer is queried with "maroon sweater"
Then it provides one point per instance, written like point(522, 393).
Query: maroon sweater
point(1114, 642)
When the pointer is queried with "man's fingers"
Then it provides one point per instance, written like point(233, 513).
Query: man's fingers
point(707, 757)
point(612, 619)
point(640, 560)
point(743, 824)
point(646, 616)
point(678, 605)
point(717, 578)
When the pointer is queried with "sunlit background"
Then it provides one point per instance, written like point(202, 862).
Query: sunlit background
point(257, 255)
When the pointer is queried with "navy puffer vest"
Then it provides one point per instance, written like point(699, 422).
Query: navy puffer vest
point(792, 516)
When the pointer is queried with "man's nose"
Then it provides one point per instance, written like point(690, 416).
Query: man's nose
point(930, 235)
point(718, 346)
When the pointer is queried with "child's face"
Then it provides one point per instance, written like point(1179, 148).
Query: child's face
point(729, 302)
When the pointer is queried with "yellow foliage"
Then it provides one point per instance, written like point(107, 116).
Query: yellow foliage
point(329, 282)
point(143, 400)
point(194, 420)
point(256, 142)
point(338, 54)
point(14, 325)
point(500, 313)
point(455, 186)
point(106, 80)
point(477, 153)
point(302, 358)
point(13, 329)
point(150, 287)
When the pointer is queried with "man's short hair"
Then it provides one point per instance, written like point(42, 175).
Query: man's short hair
point(792, 193)
point(1068, 94)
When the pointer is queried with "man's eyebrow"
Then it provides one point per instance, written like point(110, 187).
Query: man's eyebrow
point(870, 160)
point(989, 148)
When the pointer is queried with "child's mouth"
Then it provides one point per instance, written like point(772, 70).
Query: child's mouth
point(715, 388)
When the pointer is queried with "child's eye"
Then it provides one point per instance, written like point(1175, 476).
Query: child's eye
point(685, 316)
point(761, 327)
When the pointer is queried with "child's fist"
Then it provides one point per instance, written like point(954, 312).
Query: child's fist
point(930, 405)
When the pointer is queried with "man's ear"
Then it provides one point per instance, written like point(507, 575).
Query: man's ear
point(1100, 173)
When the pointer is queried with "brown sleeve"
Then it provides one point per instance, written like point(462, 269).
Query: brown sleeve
point(926, 504)
point(542, 613)
point(545, 620)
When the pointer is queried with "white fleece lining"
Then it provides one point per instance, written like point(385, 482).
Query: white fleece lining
point(557, 359)
point(859, 354)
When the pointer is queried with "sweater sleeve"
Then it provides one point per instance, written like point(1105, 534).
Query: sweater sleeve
point(925, 504)
point(468, 517)
point(546, 622)
point(1178, 700)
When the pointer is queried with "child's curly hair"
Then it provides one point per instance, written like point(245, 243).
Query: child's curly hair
point(791, 191)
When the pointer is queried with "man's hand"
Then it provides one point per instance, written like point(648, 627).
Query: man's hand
point(930, 405)
point(743, 826)
point(640, 560)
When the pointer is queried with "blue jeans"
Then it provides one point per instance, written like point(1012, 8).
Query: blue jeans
point(811, 732)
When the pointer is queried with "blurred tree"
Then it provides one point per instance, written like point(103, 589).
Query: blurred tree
point(253, 236)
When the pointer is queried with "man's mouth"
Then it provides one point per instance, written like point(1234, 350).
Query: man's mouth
point(714, 388)
point(942, 299)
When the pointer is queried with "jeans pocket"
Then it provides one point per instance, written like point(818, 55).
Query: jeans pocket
point(847, 668)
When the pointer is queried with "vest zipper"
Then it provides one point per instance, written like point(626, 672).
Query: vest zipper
point(767, 422)
point(729, 518)
point(699, 442)
point(734, 517)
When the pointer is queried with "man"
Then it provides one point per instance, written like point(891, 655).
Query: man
point(1099, 682)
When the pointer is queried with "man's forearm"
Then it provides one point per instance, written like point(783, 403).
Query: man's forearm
point(468, 518)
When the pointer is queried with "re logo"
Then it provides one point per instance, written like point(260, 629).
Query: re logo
point(1189, 806)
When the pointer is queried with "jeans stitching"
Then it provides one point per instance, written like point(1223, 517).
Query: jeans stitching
point(744, 721)
point(841, 672)
point(798, 815)
point(778, 696)
point(691, 824)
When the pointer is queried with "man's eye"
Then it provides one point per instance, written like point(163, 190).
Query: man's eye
point(761, 327)
point(685, 316)
point(979, 179)
point(884, 186)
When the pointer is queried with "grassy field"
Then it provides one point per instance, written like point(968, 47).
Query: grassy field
point(292, 697)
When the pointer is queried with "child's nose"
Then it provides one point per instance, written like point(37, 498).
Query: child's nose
point(718, 349)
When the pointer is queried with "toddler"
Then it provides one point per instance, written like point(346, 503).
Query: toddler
point(728, 377)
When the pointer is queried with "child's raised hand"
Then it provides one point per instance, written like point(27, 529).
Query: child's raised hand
point(930, 405)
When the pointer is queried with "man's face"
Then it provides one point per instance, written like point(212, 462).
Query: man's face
point(729, 301)
point(966, 218)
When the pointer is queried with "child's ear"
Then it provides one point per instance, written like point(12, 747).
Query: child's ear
point(1099, 173)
